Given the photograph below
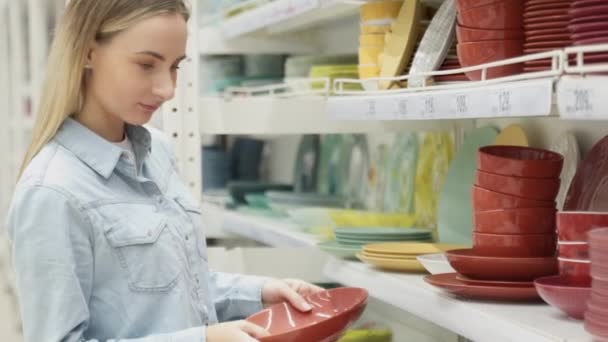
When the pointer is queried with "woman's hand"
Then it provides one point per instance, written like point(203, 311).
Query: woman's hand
point(288, 290)
point(237, 331)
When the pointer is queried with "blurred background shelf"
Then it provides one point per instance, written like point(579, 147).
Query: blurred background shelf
point(477, 321)
point(284, 16)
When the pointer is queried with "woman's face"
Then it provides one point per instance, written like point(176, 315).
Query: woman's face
point(135, 72)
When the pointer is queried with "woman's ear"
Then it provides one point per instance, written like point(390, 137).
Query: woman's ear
point(91, 56)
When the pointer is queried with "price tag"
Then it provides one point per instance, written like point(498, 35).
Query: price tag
point(581, 98)
point(502, 104)
point(428, 107)
point(402, 109)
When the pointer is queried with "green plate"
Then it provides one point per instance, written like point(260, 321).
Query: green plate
point(368, 241)
point(341, 251)
point(381, 231)
point(455, 210)
point(401, 174)
point(257, 201)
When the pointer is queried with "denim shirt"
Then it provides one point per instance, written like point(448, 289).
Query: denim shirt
point(105, 249)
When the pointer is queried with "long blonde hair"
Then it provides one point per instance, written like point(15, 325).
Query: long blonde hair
point(84, 22)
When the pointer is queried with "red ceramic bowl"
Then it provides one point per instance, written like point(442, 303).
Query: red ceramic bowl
point(520, 161)
point(575, 225)
point(574, 268)
point(534, 188)
point(515, 246)
point(333, 312)
point(474, 266)
point(468, 34)
point(573, 250)
point(567, 294)
point(506, 14)
point(515, 221)
point(476, 53)
point(599, 236)
point(596, 327)
point(484, 200)
point(599, 271)
point(463, 5)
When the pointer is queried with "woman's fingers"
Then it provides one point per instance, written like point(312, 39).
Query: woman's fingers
point(295, 299)
point(253, 330)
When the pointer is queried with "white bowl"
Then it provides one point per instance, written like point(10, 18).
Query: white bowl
point(436, 263)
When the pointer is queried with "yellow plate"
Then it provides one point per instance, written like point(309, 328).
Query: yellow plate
point(513, 135)
point(369, 55)
point(409, 248)
point(372, 40)
point(388, 256)
point(393, 264)
point(378, 10)
point(368, 71)
point(400, 43)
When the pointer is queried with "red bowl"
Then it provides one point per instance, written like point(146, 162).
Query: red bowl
point(515, 246)
point(463, 5)
point(471, 265)
point(599, 236)
point(506, 14)
point(476, 53)
point(515, 221)
point(596, 327)
point(573, 250)
point(484, 200)
point(333, 312)
point(567, 294)
point(574, 268)
point(520, 161)
point(467, 34)
point(598, 271)
point(575, 225)
point(542, 189)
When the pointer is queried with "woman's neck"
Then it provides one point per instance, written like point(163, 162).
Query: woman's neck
point(105, 125)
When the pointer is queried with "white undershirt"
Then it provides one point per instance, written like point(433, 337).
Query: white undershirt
point(127, 148)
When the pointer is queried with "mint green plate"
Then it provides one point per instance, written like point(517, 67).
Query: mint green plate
point(401, 174)
point(455, 210)
point(381, 231)
point(341, 251)
point(358, 242)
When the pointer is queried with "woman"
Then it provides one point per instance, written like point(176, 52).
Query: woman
point(106, 240)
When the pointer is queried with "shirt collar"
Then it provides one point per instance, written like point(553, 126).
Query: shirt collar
point(98, 153)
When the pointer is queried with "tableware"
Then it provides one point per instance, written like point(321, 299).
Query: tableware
point(570, 295)
point(541, 189)
point(566, 145)
point(484, 200)
point(518, 245)
point(515, 221)
point(405, 265)
point(449, 282)
point(575, 225)
point(520, 161)
point(590, 183)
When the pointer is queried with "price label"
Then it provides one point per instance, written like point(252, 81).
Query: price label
point(402, 109)
point(462, 105)
point(371, 110)
point(429, 107)
point(503, 103)
point(582, 98)
point(579, 103)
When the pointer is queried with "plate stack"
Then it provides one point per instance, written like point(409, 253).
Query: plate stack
point(596, 317)
point(546, 28)
point(589, 22)
point(400, 256)
point(514, 238)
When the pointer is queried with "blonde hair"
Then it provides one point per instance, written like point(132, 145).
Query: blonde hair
point(84, 22)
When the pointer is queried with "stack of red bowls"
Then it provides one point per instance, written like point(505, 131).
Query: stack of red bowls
point(489, 31)
point(596, 317)
point(514, 238)
point(588, 22)
point(546, 28)
point(571, 290)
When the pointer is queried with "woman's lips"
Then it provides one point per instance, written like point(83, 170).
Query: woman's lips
point(149, 108)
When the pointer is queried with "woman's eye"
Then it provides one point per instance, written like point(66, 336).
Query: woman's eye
point(146, 66)
point(175, 67)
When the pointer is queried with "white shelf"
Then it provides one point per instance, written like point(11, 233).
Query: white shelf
point(272, 232)
point(282, 16)
point(212, 42)
point(478, 321)
point(302, 115)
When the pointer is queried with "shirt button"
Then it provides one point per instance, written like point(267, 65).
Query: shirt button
point(187, 238)
point(159, 199)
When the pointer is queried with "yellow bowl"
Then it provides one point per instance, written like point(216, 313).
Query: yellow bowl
point(360, 218)
point(375, 40)
point(368, 71)
point(375, 29)
point(370, 55)
point(378, 10)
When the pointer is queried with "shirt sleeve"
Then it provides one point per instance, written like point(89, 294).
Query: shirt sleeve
point(236, 296)
point(52, 255)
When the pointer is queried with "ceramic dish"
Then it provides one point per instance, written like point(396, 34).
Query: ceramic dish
point(339, 250)
point(590, 183)
point(409, 248)
point(512, 135)
point(360, 218)
point(567, 294)
point(566, 145)
point(405, 265)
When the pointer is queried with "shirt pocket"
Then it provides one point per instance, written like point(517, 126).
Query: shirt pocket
point(195, 218)
point(147, 251)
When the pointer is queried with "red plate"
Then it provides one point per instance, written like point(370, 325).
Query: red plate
point(551, 18)
point(587, 11)
point(587, 27)
point(473, 266)
point(546, 25)
point(537, 50)
point(557, 44)
point(547, 38)
point(333, 312)
point(589, 19)
point(596, 327)
point(587, 3)
point(536, 68)
point(493, 282)
point(451, 284)
point(451, 78)
point(561, 30)
point(589, 188)
point(590, 35)
point(591, 41)
point(540, 7)
point(540, 2)
point(567, 294)
point(529, 14)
